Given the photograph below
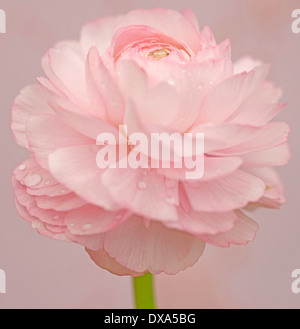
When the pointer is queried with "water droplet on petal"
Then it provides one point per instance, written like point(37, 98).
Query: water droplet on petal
point(200, 87)
point(171, 82)
point(32, 180)
point(22, 167)
point(56, 217)
point(142, 185)
point(86, 227)
point(47, 182)
point(63, 191)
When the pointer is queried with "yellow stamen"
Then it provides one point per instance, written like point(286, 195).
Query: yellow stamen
point(159, 54)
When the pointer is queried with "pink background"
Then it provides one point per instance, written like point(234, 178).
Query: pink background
point(42, 273)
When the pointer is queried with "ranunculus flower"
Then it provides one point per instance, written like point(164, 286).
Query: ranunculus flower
point(152, 70)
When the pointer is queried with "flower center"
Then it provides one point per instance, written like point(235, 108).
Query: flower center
point(159, 54)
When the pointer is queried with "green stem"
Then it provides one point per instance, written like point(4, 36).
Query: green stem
point(143, 291)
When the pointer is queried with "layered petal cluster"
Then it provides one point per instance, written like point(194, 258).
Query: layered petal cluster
point(151, 70)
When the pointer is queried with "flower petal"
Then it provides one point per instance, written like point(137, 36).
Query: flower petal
point(143, 192)
point(270, 135)
point(274, 195)
point(214, 167)
point(276, 156)
point(196, 223)
point(32, 100)
point(102, 259)
point(103, 89)
point(76, 168)
point(89, 220)
point(60, 203)
point(225, 194)
point(226, 97)
point(64, 65)
point(47, 133)
point(155, 249)
point(190, 16)
point(43, 229)
point(170, 22)
point(243, 232)
point(246, 64)
point(34, 213)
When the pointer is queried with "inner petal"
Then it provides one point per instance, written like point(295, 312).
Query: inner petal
point(145, 39)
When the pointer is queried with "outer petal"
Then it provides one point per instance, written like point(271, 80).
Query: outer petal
point(30, 167)
point(246, 64)
point(47, 185)
point(44, 229)
point(224, 135)
point(244, 231)
point(190, 16)
point(226, 98)
point(29, 204)
point(274, 195)
point(271, 135)
point(76, 168)
point(143, 192)
point(62, 211)
point(28, 179)
point(102, 259)
point(89, 220)
point(214, 167)
point(47, 133)
point(230, 192)
point(60, 203)
point(260, 100)
point(85, 124)
point(155, 249)
point(275, 156)
point(31, 101)
point(258, 114)
point(197, 223)
point(207, 34)
point(64, 65)
point(170, 22)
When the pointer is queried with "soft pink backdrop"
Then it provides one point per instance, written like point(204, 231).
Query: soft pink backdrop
point(42, 273)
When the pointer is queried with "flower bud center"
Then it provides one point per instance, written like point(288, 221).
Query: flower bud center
point(159, 54)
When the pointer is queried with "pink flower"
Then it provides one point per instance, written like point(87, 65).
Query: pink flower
point(152, 70)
